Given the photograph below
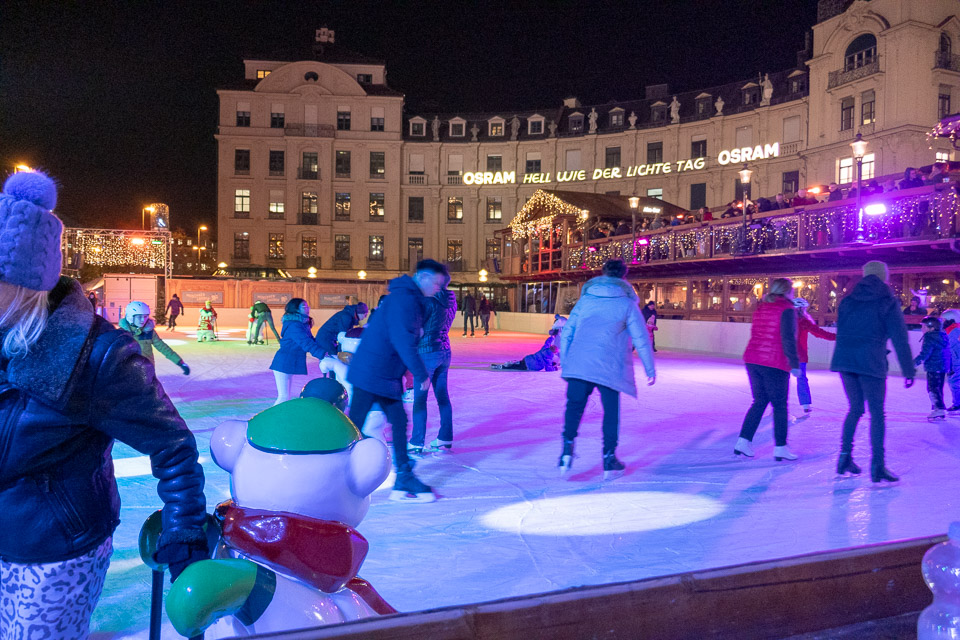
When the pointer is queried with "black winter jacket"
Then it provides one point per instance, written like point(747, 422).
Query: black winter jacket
point(82, 385)
point(342, 320)
point(438, 315)
point(869, 316)
point(935, 352)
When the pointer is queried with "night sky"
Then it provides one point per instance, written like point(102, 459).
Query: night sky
point(117, 100)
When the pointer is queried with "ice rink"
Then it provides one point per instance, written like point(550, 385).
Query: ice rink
point(507, 525)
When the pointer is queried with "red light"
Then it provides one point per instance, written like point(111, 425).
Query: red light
point(813, 190)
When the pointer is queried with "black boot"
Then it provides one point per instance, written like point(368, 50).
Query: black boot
point(879, 473)
point(846, 464)
point(612, 468)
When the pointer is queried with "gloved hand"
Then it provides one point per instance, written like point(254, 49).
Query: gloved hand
point(180, 555)
point(186, 369)
point(907, 382)
point(795, 373)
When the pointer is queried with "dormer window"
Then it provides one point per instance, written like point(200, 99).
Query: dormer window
point(535, 125)
point(704, 102)
point(365, 78)
point(262, 73)
point(418, 127)
point(496, 127)
point(658, 111)
point(750, 93)
point(797, 82)
point(616, 118)
point(575, 123)
point(457, 128)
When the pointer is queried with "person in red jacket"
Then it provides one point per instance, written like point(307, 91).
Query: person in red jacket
point(806, 326)
point(771, 357)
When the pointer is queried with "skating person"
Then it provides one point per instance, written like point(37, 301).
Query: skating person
point(649, 312)
point(806, 326)
point(951, 326)
point(936, 361)
point(469, 311)
point(344, 320)
point(867, 317)
point(136, 321)
point(207, 323)
point(174, 309)
point(72, 383)
point(486, 308)
point(595, 352)
point(388, 349)
point(264, 316)
point(771, 356)
point(92, 297)
point(296, 341)
point(439, 312)
point(546, 359)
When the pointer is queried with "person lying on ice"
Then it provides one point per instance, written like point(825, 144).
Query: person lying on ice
point(546, 359)
point(136, 321)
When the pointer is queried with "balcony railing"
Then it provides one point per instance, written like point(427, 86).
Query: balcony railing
point(454, 179)
point(417, 179)
point(309, 130)
point(916, 217)
point(308, 174)
point(305, 262)
point(946, 60)
point(845, 75)
point(307, 218)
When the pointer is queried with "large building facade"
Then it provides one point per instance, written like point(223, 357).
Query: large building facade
point(321, 166)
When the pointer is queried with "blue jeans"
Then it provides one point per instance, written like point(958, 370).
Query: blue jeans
point(803, 385)
point(437, 364)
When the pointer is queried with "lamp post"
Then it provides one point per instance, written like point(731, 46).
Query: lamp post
point(143, 215)
point(585, 214)
point(634, 205)
point(745, 175)
point(859, 146)
point(203, 227)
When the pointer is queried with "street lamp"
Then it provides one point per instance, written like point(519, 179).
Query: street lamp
point(745, 175)
point(585, 214)
point(203, 227)
point(859, 146)
point(143, 215)
point(634, 205)
point(362, 274)
point(482, 275)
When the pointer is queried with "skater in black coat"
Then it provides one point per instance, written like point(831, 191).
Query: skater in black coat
point(469, 311)
point(343, 320)
point(935, 358)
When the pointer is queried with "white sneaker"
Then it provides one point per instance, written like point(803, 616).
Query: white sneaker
point(743, 448)
point(441, 445)
point(783, 453)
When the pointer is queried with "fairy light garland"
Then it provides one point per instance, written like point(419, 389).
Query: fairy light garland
point(147, 250)
point(539, 213)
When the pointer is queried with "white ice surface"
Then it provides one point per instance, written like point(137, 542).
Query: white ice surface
point(507, 525)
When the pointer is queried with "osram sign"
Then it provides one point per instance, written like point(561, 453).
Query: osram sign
point(747, 154)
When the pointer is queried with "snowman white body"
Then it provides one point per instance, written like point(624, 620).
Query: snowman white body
point(376, 421)
point(329, 486)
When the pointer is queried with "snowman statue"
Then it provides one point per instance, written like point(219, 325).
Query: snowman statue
point(301, 475)
point(349, 342)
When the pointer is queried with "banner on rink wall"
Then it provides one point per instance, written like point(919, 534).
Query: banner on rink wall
point(200, 297)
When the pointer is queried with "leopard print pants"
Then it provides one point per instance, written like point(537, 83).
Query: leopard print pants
point(52, 601)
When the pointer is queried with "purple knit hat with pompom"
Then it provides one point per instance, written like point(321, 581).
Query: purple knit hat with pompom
point(29, 233)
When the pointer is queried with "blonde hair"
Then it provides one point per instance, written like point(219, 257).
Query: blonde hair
point(779, 288)
point(23, 318)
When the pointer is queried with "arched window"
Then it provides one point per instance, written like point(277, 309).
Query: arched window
point(861, 52)
point(946, 45)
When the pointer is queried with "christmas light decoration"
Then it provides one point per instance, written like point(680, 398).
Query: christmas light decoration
point(147, 250)
point(539, 213)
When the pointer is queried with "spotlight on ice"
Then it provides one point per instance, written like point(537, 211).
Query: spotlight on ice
point(876, 209)
point(602, 513)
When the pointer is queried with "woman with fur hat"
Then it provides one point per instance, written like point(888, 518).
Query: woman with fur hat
point(70, 383)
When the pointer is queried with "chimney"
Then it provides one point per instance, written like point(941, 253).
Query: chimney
point(657, 91)
point(571, 103)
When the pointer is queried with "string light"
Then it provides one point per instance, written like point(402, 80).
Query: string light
point(108, 248)
point(539, 213)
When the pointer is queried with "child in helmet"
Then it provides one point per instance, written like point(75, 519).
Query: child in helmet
point(206, 326)
point(935, 358)
point(136, 320)
point(951, 326)
point(546, 359)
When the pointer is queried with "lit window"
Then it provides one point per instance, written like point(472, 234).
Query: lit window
point(262, 73)
point(378, 164)
point(846, 171)
point(275, 247)
point(496, 129)
point(655, 193)
point(376, 206)
point(241, 201)
point(943, 156)
point(341, 210)
point(492, 249)
point(868, 111)
point(494, 209)
point(868, 166)
point(376, 248)
point(454, 209)
point(576, 124)
point(277, 207)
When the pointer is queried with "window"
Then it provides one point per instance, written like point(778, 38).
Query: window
point(655, 193)
point(377, 119)
point(276, 209)
point(943, 102)
point(415, 209)
point(798, 84)
point(698, 149)
point(310, 167)
point(496, 128)
point(365, 78)
point(845, 175)
point(276, 163)
point(494, 209)
point(946, 45)
point(308, 202)
point(341, 206)
point(417, 128)
point(241, 162)
point(492, 251)
point(612, 157)
point(943, 156)
point(576, 123)
point(308, 247)
point(535, 126)
point(494, 163)
point(791, 182)
point(454, 164)
point(533, 163)
point(456, 129)
point(343, 121)
point(275, 247)
point(262, 73)
point(376, 207)
point(243, 114)
point(454, 252)
point(869, 166)
point(415, 165)
point(751, 94)
point(341, 248)
point(703, 105)
point(846, 114)
point(654, 152)
point(342, 164)
point(375, 253)
point(241, 245)
point(744, 137)
point(861, 52)
point(616, 118)
point(791, 129)
point(698, 195)
point(868, 103)
point(414, 250)
point(658, 112)
point(454, 209)
point(378, 164)
point(241, 203)
point(573, 160)
point(277, 116)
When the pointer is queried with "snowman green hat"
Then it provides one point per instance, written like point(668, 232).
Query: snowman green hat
point(302, 426)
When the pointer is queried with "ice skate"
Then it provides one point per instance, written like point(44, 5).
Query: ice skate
point(937, 414)
point(566, 458)
point(441, 445)
point(954, 409)
point(846, 465)
point(612, 468)
point(414, 450)
point(783, 453)
point(743, 448)
point(880, 473)
point(408, 488)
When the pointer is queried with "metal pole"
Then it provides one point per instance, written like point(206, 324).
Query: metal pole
point(743, 241)
point(860, 236)
point(633, 245)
